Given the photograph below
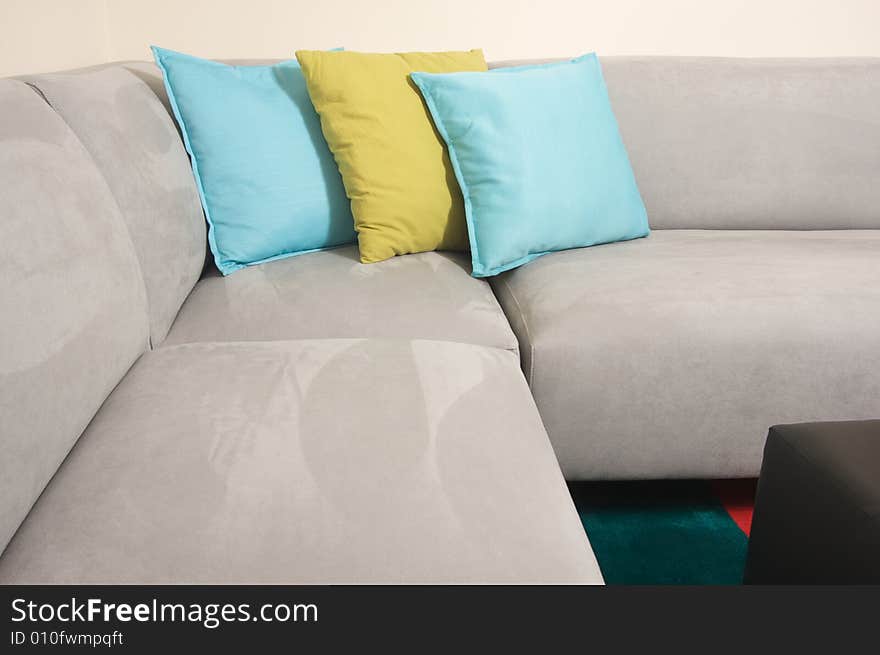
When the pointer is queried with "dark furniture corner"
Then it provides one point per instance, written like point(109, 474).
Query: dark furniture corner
point(817, 509)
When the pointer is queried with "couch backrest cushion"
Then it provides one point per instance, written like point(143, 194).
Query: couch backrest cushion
point(135, 143)
point(751, 143)
point(73, 313)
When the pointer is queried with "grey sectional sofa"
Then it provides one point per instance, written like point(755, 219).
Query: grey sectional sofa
point(318, 420)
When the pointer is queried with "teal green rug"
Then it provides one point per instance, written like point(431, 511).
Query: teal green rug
point(667, 532)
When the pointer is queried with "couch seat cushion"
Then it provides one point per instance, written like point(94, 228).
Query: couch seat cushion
point(313, 461)
point(671, 356)
point(331, 294)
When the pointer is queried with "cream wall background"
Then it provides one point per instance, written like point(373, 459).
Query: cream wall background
point(40, 35)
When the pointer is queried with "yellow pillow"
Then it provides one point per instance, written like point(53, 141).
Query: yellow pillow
point(395, 167)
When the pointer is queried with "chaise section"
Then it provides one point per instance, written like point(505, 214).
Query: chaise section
point(670, 356)
point(331, 294)
point(73, 312)
point(314, 461)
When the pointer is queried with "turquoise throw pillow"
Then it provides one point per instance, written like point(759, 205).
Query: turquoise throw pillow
point(539, 159)
point(269, 185)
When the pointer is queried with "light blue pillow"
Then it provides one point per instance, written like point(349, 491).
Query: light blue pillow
point(539, 159)
point(269, 185)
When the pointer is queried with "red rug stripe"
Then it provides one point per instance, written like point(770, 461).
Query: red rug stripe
point(738, 498)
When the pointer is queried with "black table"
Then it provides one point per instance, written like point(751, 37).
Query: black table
point(817, 508)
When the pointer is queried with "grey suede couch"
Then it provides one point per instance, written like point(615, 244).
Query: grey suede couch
point(318, 420)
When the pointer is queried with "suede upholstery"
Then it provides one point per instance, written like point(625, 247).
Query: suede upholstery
point(669, 356)
point(331, 294)
point(752, 143)
point(137, 148)
point(314, 461)
point(319, 420)
point(73, 315)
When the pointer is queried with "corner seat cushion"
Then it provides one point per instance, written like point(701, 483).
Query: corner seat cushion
point(314, 461)
point(671, 356)
point(331, 294)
